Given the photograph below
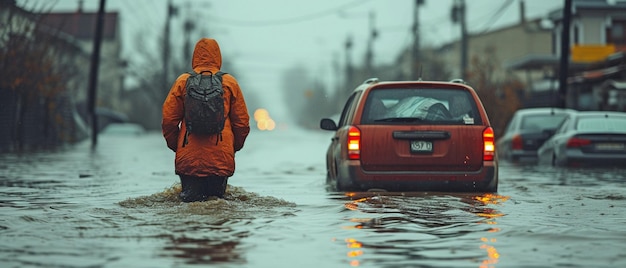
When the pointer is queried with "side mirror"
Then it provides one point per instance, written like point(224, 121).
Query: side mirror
point(328, 124)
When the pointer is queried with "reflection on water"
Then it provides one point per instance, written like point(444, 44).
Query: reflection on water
point(81, 208)
point(572, 176)
point(423, 228)
point(114, 207)
point(207, 232)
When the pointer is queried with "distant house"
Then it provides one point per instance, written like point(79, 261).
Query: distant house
point(81, 26)
point(504, 45)
point(39, 82)
point(597, 64)
point(35, 46)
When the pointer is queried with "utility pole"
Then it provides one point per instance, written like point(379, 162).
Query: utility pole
point(564, 61)
point(464, 45)
point(93, 75)
point(337, 94)
point(458, 16)
point(166, 45)
point(188, 27)
point(348, 46)
point(369, 55)
point(415, 53)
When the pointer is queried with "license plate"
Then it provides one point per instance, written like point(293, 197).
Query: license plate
point(610, 146)
point(421, 146)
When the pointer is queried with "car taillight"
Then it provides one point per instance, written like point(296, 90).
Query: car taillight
point(577, 142)
point(517, 142)
point(489, 147)
point(354, 143)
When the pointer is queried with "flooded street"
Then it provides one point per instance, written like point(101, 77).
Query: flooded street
point(117, 206)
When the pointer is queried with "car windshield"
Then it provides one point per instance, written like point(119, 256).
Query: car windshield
point(542, 121)
point(420, 106)
point(602, 124)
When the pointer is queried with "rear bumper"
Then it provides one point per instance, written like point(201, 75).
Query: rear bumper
point(577, 158)
point(483, 180)
point(523, 154)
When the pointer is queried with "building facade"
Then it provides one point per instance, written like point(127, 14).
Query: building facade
point(81, 26)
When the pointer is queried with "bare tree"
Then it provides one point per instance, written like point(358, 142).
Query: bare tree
point(500, 98)
point(36, 63)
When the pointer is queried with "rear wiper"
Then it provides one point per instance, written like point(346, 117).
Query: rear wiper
point(400, 119)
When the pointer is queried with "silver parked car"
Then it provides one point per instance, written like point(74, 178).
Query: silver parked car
point(587, 138)
point(527, 130)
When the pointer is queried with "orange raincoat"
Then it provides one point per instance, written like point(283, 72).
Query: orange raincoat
point(206, 155)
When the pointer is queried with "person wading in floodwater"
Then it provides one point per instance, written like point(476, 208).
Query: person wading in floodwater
point(205, 125)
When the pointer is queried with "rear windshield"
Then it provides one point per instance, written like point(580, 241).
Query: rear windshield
point(420, 106)
point(542, 121)
point(602, 124)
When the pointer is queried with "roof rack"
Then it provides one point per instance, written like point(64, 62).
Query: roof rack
point(458, 80)
point(371, 80)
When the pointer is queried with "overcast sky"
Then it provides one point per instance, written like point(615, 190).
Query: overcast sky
point(265, 37)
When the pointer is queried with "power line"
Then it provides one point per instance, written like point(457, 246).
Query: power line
point(292, 20)
point(496, 16)
point(139, 24)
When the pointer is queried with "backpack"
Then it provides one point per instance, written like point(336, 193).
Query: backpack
point(204, 104)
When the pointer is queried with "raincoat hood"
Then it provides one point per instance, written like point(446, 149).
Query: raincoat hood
point(207, 56)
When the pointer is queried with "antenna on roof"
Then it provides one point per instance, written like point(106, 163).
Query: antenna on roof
point(420, 76)
point(371, 80)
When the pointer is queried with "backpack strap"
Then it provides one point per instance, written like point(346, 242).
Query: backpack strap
point(218, 72)
point(191, 74)
point(186, 140)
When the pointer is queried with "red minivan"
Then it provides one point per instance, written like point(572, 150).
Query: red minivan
point(412, 136)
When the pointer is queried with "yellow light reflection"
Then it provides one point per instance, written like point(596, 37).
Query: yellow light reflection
point(354, 205)
point(355, 253)
point(493, 257)
point(361, 220)
point(487, 243)
point(494, 230)
point(351, 206)
point(490, 215)
point(484, 239)
point(352, 244)
point(492, 199)
point(350, 194)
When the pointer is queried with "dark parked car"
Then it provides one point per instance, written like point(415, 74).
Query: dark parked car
point(587, 138)
point(412, 136)
point(527, 130)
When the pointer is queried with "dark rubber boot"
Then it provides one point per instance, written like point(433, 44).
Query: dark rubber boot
point(201, 188)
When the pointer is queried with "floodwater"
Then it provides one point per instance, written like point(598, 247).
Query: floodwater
point(117, 206)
